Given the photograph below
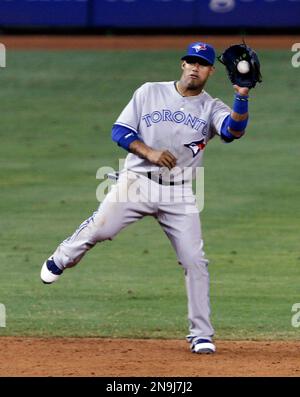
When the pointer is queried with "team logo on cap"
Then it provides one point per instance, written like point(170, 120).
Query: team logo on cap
point(199, 47)
point(196, 146)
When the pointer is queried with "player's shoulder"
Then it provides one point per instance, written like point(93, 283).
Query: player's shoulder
point(214, 101)
point(208, 97)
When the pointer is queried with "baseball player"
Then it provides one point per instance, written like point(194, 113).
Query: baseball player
point(165, 128)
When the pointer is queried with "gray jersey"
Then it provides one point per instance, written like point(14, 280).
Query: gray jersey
point(165, 120)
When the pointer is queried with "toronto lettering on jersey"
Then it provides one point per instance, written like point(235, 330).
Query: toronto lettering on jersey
point(178, 117)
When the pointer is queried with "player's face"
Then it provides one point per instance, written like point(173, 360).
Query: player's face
point(195, 74)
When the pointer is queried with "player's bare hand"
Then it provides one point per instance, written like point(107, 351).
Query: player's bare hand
point(162, 158)
point(241, 90)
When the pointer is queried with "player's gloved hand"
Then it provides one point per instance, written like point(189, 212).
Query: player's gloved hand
point(242, 65)
point(162, 158)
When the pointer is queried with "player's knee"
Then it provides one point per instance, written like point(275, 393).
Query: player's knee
point(102, 229)
point(193, 259)
point(104, 232)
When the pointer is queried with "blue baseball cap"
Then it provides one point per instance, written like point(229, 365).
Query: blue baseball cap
point(200, 50)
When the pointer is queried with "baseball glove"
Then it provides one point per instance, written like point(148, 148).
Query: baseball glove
point(231, 58)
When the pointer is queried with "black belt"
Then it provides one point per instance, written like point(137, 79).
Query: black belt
point(159, 180)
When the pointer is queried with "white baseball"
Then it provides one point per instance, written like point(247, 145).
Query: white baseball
point(243, 67)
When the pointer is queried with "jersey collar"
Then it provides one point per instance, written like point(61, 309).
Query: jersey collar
point(188, 96)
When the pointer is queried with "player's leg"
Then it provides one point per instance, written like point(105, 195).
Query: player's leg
point(114, 214)
point(184, 232)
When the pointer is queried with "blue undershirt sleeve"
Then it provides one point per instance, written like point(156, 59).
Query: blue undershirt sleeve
point(123, 136)
point(240, 105)
point(225, 134)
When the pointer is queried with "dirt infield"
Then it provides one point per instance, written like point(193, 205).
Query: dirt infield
point(140, 42)
point(124, 357)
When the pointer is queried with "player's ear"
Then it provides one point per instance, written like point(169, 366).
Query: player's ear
point(212, 70)
point(183, 63)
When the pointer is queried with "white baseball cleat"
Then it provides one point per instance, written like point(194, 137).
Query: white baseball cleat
point(202, 346)
point(50, 272)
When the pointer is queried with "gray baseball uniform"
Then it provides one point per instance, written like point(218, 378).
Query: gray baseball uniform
point(163, 120)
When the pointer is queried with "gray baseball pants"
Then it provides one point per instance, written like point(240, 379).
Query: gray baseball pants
point(133, 197)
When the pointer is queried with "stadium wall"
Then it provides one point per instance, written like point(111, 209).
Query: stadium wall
point(108, 14)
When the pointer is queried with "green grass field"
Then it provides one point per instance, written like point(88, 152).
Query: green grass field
point(57, 109)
